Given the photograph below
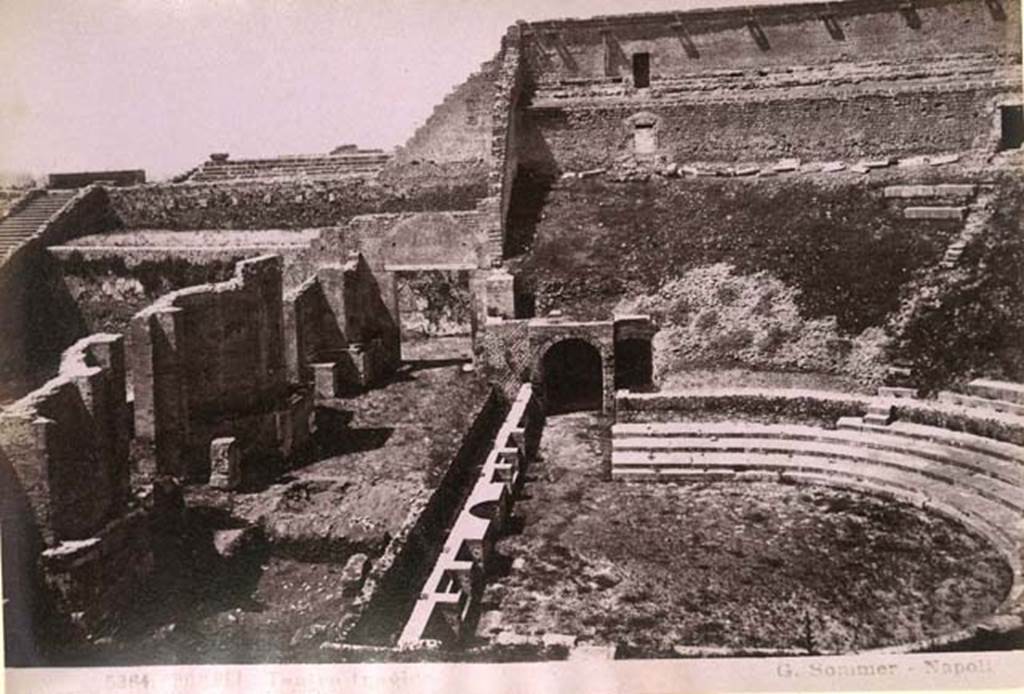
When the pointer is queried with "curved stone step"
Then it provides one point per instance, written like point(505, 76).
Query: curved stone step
point(873, 436)
point(947, 437)
point(684, 451)
point(972, 401)
point(997, 390)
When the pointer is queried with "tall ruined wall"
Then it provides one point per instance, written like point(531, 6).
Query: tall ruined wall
point(770, 36)
point(341, 306)
point(204, 354)
point(297, 204)
point(839, 81)
point(821, 128)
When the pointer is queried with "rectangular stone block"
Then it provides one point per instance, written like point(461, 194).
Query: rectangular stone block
point(225, 463)
point(325, 380)
point(955, 213)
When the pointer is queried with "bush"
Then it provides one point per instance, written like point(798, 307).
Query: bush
point(752, 320)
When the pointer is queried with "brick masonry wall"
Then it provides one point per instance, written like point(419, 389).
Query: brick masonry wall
point(297, 204)
point(581, 137)
point(687, 42)
point(459, 128)
point(504, 356)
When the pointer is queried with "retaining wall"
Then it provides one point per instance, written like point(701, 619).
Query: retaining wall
point(296, 203)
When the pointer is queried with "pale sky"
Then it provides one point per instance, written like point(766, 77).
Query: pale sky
point(159, 84)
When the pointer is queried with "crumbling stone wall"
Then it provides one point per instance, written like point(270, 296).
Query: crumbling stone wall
point(424, 238)
point(862, 79)
point(459, 128)
point(76, 546)
point(297, 204)
point(209, 361)
point(110, 285)
point(68, 442)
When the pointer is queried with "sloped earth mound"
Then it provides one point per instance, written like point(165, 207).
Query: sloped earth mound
point(737, 565)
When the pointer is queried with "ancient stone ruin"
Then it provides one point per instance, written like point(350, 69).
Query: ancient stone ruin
point(670, 334)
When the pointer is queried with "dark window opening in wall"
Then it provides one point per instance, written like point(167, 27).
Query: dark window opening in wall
point(1012, 126)
point(633, 364)
point(641, 70)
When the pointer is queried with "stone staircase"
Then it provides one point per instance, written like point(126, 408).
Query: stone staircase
point(977, 480)
point(479, 85)
point(26, 221)
point(361, 163)
point(955, 202)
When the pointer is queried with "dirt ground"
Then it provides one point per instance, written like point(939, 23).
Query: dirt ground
point(280, 599)
point(740, 565)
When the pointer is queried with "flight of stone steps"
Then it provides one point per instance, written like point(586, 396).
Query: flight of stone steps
point(975, 479)
point(479, 84)
point(22, 224)
point(362, 163)
point(957, 202)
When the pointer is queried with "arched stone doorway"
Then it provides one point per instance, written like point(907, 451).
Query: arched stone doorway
point(572, 374)
point(634, 368)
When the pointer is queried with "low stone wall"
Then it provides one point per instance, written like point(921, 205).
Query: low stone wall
point(453, 589)
point(109, 285)
point(793, 404)
point(296, 204)
point(805, 405)
point(80, 179)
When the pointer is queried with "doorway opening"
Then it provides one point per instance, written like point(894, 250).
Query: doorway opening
point(572, 376)
point(634, 367)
